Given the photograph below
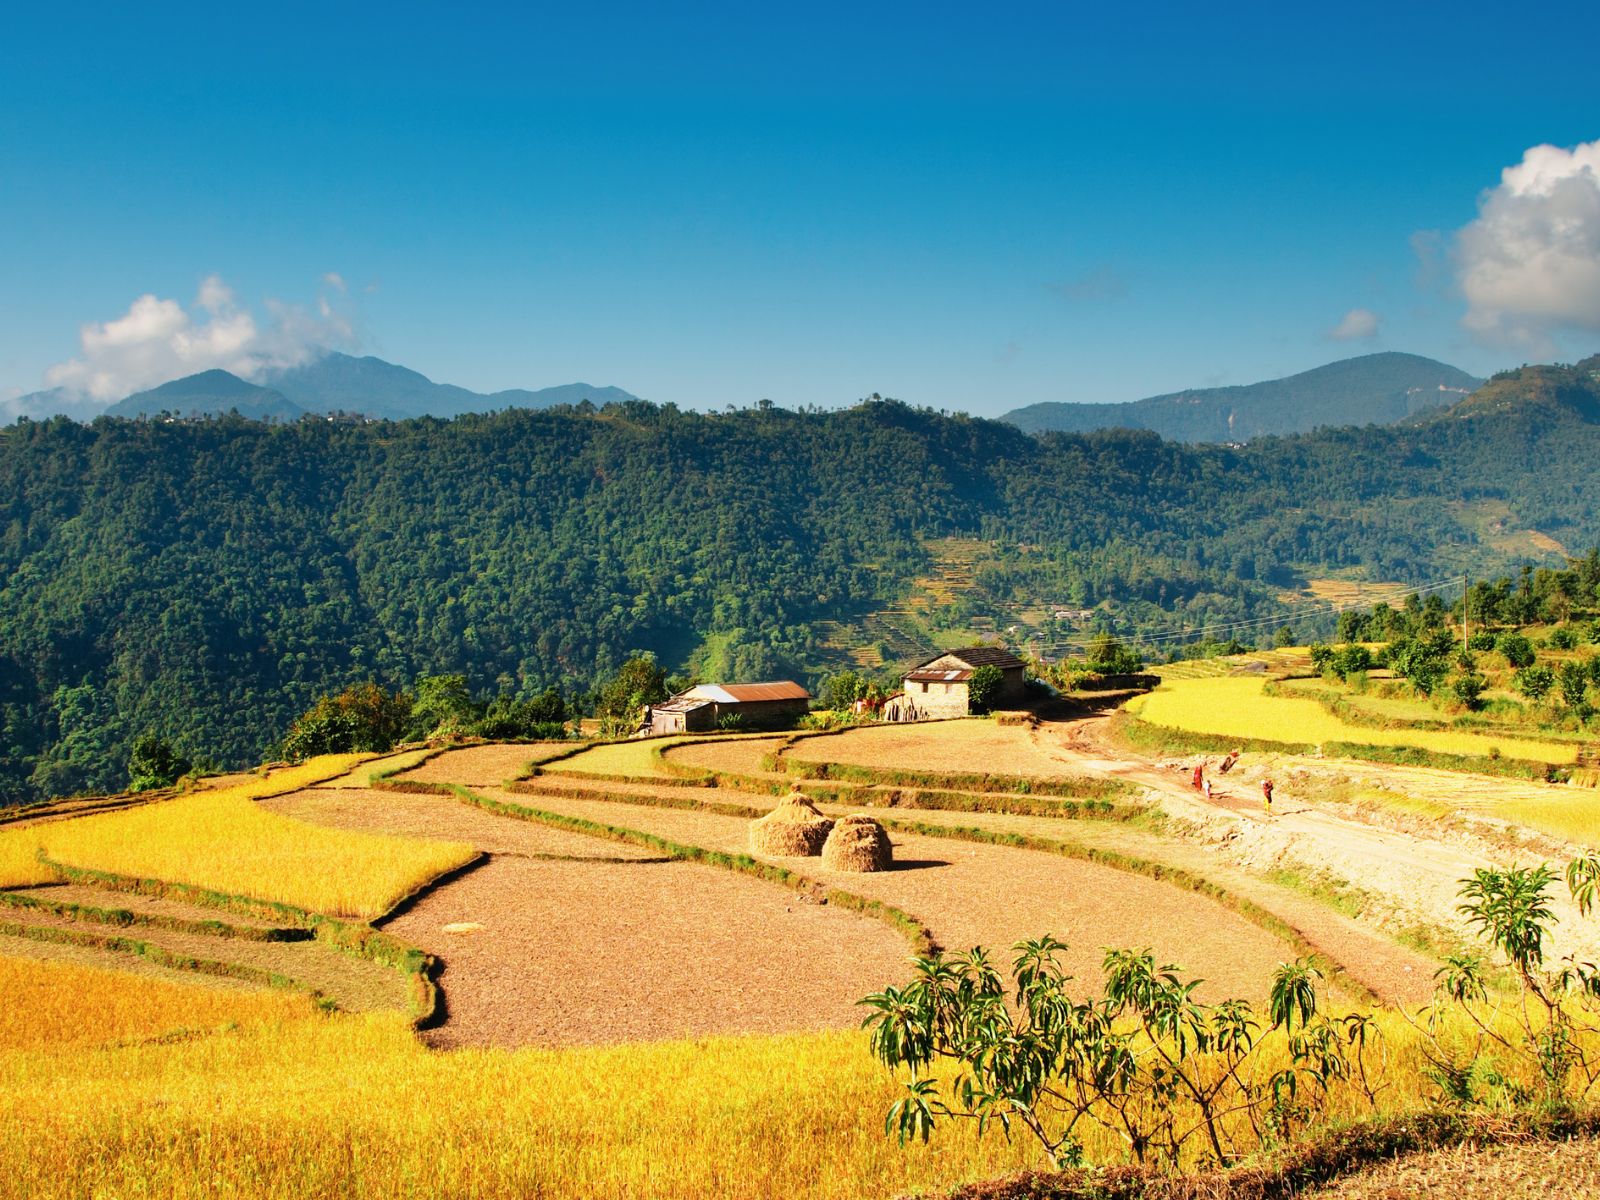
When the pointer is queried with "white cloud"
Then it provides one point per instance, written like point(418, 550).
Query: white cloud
point(1359, 324)
point(1529, 266)
point(159, 340)
point(335, 280)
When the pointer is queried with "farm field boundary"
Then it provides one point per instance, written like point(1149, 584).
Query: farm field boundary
point(361, 940)
point(914, 930)
point(125, 917)
point(1257, 914)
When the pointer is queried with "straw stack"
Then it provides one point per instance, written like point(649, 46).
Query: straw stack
point(857, 843)
point(795, 829)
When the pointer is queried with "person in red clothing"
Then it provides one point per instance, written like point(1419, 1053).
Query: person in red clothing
point(1198, 772)
point(1266, 794)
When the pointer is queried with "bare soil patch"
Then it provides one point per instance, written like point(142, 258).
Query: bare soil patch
point(995, 896)
point(589, 952)
point(971, 747)
point(739, 756)
point(484, 766)
point(1531, 1170)
point(446, 818)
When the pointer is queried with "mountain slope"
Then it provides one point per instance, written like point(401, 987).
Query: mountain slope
point(1375, 389)
point(210, 393)
point(374, 388)
point(209, 580)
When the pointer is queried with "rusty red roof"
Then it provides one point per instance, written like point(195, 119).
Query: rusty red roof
point(745, 693)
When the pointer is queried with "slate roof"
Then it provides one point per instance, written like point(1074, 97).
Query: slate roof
point(978, 656)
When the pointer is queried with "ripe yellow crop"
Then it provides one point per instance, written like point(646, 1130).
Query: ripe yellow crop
point(222, 841)
point(1234, 706)
point(59, 1004)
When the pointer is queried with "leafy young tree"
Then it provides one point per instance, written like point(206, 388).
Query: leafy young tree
point(842, 690)
point(983, 687)
point(1516, 648)
point(1468, 687)
point(1145, 1061)
point(1535, 682)
point(442, 703)
point(1573, 679)
point(155, 764)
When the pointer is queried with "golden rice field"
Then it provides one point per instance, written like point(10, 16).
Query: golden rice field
point(1572, 814)
point(58, 1004)
point(363, 773)
point(355, 1107)
point(1234, 706)
point(223, 841)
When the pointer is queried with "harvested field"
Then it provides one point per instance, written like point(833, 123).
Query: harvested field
point(444, 817)
point(972, 747)
point(484, 766)
point(588, 952)
point(133, 902)
point(737, 756)
point(1511, 1171)
point(354, 984)
point(995, 896)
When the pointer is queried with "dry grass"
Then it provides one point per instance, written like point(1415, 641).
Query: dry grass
point(1571, 814)
point(736, 756)
point(157, 907)
point(1512, 1171)
point(362, 775)
point(1234, 706)
point(224, 841)
point(485, 766)
point(60, 1004)
point(967, 747)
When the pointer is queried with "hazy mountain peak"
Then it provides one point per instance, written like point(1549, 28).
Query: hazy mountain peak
point(1370, 389)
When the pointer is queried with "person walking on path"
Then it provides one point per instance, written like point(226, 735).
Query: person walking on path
point(1208, 789)
point(1266, 795)
point(1198, 772)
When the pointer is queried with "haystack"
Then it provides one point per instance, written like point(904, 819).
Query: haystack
point(795, 829)
point(857, 843)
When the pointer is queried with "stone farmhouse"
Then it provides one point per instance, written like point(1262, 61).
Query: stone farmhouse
point(939, 687)
point(702, 707)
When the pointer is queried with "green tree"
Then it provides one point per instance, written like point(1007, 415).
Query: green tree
point(442, 703)
point(639, 681)
point(154, 763)
point(1468, 687)
point(1573, 679)
point(1535, 682)
point(844, 689)
point(983, 687)
point(363, 717)
point(1517, 649)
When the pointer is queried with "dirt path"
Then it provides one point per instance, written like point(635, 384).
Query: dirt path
point(563, 939)
point(994, 896)
point(1408, 878)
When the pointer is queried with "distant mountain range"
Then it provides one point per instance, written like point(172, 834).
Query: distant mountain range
point(1375, 389)
point(335, 383)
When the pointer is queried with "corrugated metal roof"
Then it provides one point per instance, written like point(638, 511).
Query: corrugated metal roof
point(979, 656)
point(681, 704)
point(939, 676)
point(743, 693)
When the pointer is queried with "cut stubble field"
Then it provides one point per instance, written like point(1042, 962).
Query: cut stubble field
point(484, 766)
point(972, 747)
point(971, 894)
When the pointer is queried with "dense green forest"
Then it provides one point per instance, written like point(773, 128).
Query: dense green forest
point(206, 581)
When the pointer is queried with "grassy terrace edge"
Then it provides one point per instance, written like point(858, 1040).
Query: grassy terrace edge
point(1257, 914)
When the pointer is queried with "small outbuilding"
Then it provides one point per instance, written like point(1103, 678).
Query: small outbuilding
point(940, 686)
point(703, 707)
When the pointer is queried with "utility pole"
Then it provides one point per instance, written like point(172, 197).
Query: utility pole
point(1466, 586)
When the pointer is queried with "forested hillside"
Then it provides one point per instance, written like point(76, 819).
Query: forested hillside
point(207, 580)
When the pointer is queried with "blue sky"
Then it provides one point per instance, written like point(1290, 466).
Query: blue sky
point(971, 207)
